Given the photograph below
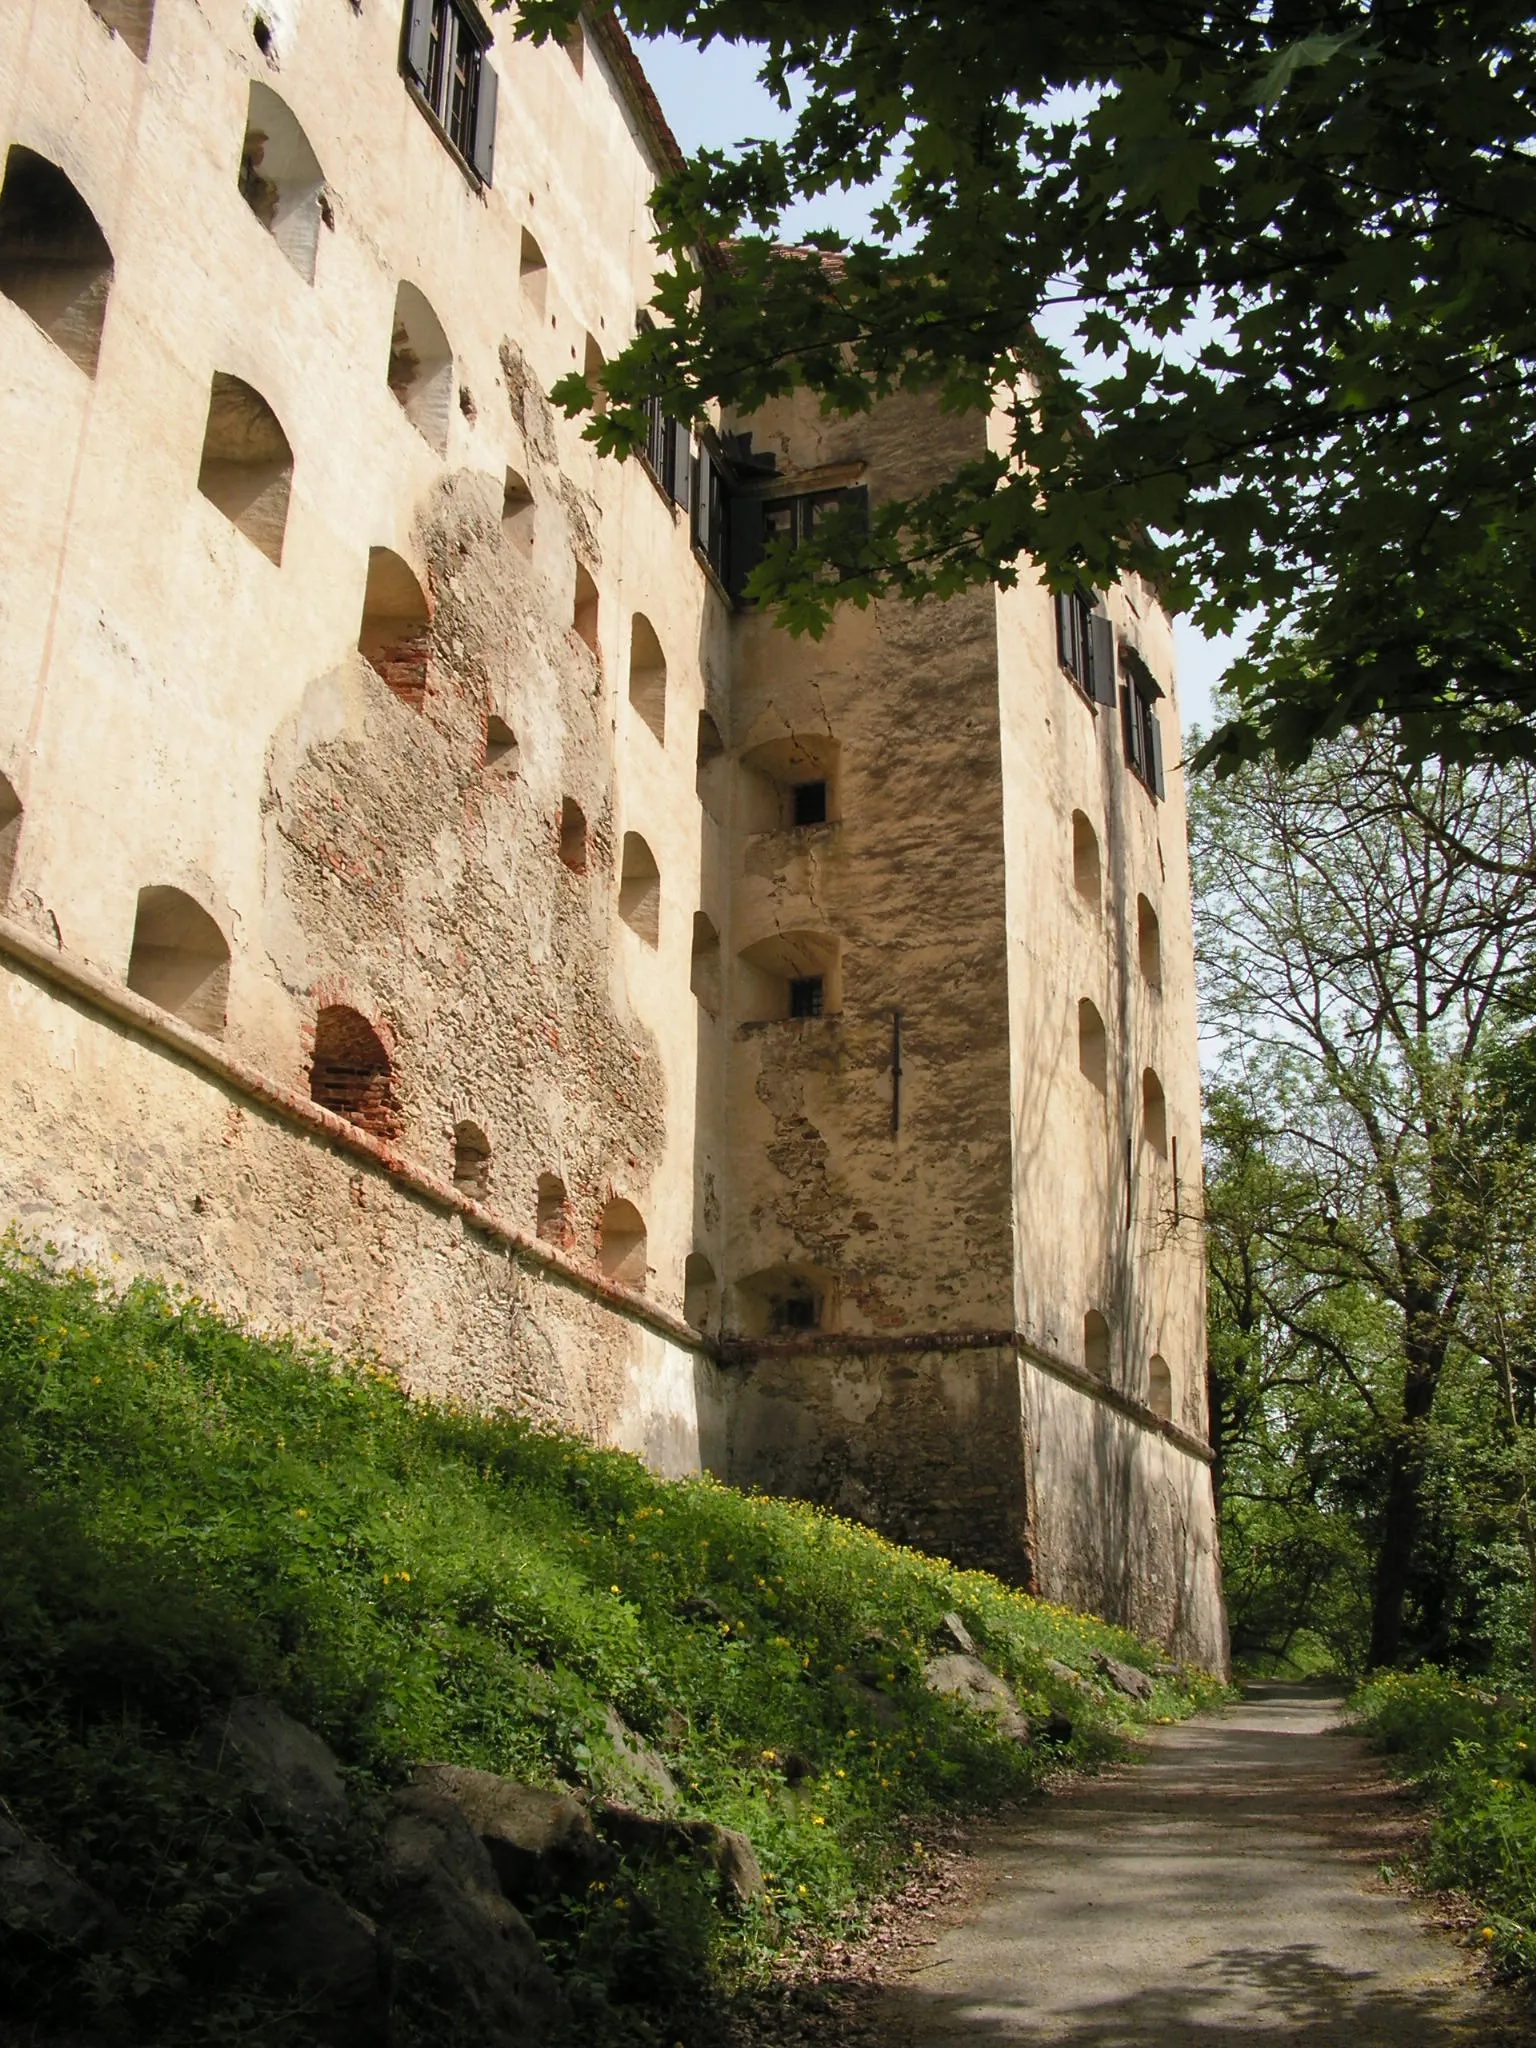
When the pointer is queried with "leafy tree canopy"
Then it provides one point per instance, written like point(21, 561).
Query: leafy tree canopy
point(1297, 238)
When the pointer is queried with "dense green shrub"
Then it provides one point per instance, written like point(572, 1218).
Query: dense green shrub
point(188, 1513)
point(1474, 1753)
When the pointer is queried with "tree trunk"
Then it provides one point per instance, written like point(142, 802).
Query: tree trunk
point(1402, 1508)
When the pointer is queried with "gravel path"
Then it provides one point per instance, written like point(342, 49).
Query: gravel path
point(1223, 1891)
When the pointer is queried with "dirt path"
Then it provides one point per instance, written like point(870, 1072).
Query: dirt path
point(1222, 1891)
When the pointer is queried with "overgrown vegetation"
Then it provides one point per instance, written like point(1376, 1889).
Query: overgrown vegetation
point(189, 1514)
point(1474, 1754)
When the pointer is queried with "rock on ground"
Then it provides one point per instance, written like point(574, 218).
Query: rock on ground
point(977, 1686)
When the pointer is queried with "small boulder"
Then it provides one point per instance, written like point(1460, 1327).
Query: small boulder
point(292, 1775)
point(1064, 1672)
point(702, 1842)
point(958, 1634)
point(541, 1844)
point(303, 1942)
point(471, 1951)
point(1125, 1678)
point(41, 1896)
point(976, 1686)
point(637, 1772)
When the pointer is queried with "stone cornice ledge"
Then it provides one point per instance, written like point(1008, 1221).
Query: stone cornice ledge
point(53, 965)
point(871, 1344)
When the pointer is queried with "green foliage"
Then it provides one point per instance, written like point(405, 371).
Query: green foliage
point(1474, 1753)
point(189, 1513)
point(1294, 243)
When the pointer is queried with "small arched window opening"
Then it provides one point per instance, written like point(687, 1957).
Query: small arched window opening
point(500, 746)
point(621, 1244)
point(1087, 875)
point(648, 676)
point(794, 974)
point(1096, 1344)
point(784, 1301)
point(281, 180)
point(584, 608)
point(704, 974)
point(351, 1073)
point(10, 834)
point(1160, 1388)
point(701, 1294)
point(553, 1213)
point(1154, 1113)
point(1149, 943)
point(180, 959)
point(247, 467)
point(573, 836)
point(790, 782)
point(1092, 1046)
point(54, 259)
point(593, 365)
point(130, 19)
point(471, 1160)
point(421, 367)
point(640, 889)
point(395, 637)
point(517, 513)
point(533, 275)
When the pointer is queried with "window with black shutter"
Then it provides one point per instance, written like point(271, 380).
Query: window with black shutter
point(444, 61)
point(1138, 719)
point(1085, 646)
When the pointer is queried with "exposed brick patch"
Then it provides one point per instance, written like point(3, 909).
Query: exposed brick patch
point(351, 1073)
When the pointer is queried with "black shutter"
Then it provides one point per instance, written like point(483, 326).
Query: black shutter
point(418, 41)
point(682, 462)
point(1155, 742)
point(856, 501)
point(1101, 660)
point(1064, 623)
point(483, 154)
point(744, 541)
point(1128, 725)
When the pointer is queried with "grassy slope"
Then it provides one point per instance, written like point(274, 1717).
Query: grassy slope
point(188, 1513)
point(1473, 1753)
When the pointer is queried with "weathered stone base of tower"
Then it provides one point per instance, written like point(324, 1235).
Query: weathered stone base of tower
point(979, 1451)
point(132, 1148)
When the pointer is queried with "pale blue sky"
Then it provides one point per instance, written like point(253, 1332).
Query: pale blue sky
point(712, 99)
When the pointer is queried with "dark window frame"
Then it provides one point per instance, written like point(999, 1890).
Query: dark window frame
point(802, 803)
point(1139, 724)
point(808, 996)
point(1085, 646)
point(444, 59)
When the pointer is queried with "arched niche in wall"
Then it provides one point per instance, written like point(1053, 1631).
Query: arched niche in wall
point(786, 1300)
point(1149, 943)
point(247, 466)
point(593, 366)
point(395, 634)
point(517, 514)
point(791, 974)
point(1087, 871)
point(1154, 1113)
point(552, 1212)
point(180, 959)
point(648, 676)
point(10, 834)
point(421, 367)
point(351, 1072)
point(573, 835)
point(280, 178)
point(1096, 1354)
point(704, 968)
point(584, 607)
point(533, 276)
point(1092, 1045)
point(709, 767)
point(621, 1244)
point(640, 889)
point(788, 782)
point(500, 746)
point(54, 260)
point(1160, 1387)
point(701, 1294)
point(130, 19)
point(471, 1160)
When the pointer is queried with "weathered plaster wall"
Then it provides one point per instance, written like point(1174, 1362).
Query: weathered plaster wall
point(1123, 1521)
point(129, 1159)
